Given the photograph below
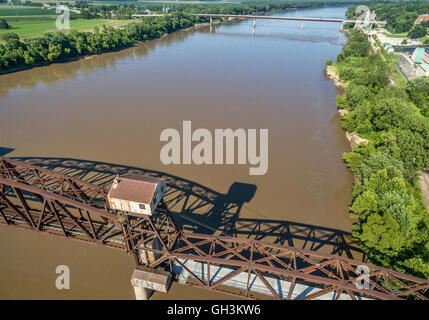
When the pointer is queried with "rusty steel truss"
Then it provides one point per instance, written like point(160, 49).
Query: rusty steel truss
point(49, 202)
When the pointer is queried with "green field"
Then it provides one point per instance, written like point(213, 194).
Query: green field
point(31, 22)
point(26, 29)
point(396, 35)
point(29, 19)
point(8, 11)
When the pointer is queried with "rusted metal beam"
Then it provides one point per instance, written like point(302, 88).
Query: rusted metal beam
point(49, 202)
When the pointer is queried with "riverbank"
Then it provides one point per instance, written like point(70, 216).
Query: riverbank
point(63, 47)
point(352, 137)
point(87, 56)
point(355, 140)
point(125, 99)
point(424, 185)
point(77, 58)
point(388, 136)
point(331, 73)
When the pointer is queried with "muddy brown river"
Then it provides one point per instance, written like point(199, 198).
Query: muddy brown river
point(110, 109)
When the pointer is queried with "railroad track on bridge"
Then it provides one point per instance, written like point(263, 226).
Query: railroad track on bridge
point(49, 202)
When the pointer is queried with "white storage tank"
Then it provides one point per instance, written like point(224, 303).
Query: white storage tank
point(136, 194)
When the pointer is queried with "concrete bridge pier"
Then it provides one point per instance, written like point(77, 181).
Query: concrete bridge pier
point(254, 24)
point(146, 281)
point(142, 293)
point(302, 25)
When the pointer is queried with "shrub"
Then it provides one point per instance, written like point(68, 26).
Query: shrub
point(4, 24)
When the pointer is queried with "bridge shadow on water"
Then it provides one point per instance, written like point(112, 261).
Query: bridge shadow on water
point(4, 151)
point(202, 210)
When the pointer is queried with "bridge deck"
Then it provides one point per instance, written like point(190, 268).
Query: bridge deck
point(268, 17)
point(242, 280)
point(49, 202)
point(334, 20)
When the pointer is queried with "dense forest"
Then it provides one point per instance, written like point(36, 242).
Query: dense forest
point(392, 221)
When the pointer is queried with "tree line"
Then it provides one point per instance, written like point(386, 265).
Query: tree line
point(392, 222)
point(56, 46)
point(16, 53)
point(400, 16)
point(125, 10)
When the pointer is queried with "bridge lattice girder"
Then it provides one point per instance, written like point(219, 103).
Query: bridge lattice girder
point(200, 209)
point(49, 202)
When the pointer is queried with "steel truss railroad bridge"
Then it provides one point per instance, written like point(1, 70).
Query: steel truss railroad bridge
point(46, 201)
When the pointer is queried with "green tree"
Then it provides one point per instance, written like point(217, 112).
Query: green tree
point(381, 233)
point(418, 91)
point(5, 37)
point(4, 24)
point(388, 113)
point(417, 31)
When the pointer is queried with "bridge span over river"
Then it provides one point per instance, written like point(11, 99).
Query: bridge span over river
point(68, 198)
point(366, 21)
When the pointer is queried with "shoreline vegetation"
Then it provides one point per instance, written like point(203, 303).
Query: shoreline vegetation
point(388, 129)
point(91, 55)
point(17, 55)
point(20, 54)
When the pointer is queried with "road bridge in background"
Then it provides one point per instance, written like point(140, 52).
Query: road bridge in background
point(366, 22)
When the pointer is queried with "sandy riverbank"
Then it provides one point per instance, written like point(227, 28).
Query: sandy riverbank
point(424, 185)
point(354, 139)
point(331, 73)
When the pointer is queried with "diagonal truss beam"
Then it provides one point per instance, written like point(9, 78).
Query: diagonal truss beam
point(49, 202)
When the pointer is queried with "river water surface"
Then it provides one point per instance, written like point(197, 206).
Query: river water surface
point(112, 108)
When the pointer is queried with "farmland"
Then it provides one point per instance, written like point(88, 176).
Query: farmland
point(6, 10)
point(31, 22)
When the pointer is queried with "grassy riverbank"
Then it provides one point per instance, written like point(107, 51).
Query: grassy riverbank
point(392, 222)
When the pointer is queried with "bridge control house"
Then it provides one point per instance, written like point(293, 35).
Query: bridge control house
point(136, 194)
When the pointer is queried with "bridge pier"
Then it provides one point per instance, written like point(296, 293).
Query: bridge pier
point(314, 275)
point(141, 292)
point(147, 280)
point(254, 24)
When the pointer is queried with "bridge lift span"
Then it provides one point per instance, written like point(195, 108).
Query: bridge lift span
point(45, 201)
